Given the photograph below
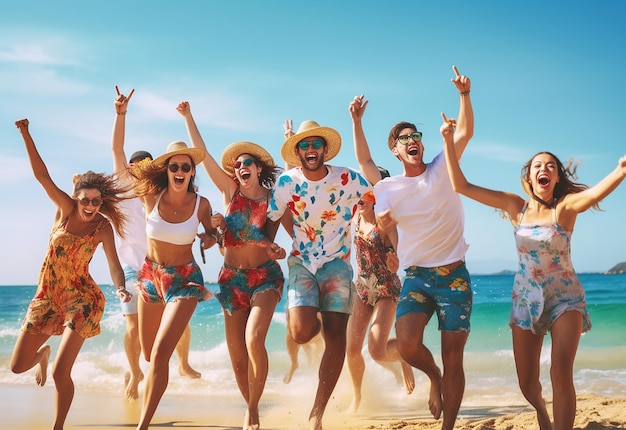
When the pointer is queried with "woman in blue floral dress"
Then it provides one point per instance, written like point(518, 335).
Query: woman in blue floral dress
point(547, 294)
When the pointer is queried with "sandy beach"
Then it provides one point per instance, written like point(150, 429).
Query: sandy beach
point(31, 408)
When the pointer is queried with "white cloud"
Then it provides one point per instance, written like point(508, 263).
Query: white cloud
point(14, 170)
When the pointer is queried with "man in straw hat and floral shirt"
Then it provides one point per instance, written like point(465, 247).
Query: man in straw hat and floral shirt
point(321, 200)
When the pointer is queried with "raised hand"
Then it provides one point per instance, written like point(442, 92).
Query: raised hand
point(461, 82)
point(448, 126)
point(183, 108)
point(121, 101)
point(288, 127)
point(22, 125)
point(357, 107)
point(622, 164)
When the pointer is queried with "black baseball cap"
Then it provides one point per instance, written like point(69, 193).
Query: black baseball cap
point(139, 155)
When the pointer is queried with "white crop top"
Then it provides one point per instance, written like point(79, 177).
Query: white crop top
point(181, 233)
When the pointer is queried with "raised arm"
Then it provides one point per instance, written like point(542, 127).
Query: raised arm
point(508, 202)
point(288, 128)
point(361, 149)
point(63, 201)
point(117, 138)
point(465, 125)
point(580, 202)
point(226, 184)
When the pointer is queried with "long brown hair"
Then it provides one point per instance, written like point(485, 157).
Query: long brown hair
point(152, 179)
point(111, 192)
point(566, 184)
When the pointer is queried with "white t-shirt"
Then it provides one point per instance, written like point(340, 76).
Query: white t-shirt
point(132, 249)
point(429, 215)
point(321, 211)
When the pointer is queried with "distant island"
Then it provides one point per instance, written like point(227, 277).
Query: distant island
point(618, 269)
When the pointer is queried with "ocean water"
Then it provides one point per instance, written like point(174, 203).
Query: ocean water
point(600, 365)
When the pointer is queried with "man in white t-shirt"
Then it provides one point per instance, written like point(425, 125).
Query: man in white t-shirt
point(321, 200)
point(429, 219)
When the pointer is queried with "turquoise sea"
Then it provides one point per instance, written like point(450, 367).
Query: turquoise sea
point(600, 366)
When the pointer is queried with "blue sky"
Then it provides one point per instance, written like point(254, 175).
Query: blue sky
point(545, 76)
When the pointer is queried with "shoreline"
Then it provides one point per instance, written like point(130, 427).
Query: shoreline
point(26, 407)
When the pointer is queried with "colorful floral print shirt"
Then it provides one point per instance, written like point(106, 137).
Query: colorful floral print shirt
point(321, 210)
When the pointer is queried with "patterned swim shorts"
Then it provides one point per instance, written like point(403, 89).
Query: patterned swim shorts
point(165, 284)
point(438, 289)
point(239, 286)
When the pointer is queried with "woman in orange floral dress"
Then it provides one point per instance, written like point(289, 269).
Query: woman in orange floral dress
point(68, 302)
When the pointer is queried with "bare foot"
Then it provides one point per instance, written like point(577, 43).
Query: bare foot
point(409, 378)
point(289, 374)
point(354, 405)
point(251, 420)
point(41, 374)
point(189, 372)
point(435, 402)
point(315, 423)
point(131, 386)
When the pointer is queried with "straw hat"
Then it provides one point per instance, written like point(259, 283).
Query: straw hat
point(180, 148)
point(235, 149)
point(309, 129)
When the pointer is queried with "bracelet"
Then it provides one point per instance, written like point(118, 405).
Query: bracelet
point(121, 287)
point(465, 93)
point(121, 113)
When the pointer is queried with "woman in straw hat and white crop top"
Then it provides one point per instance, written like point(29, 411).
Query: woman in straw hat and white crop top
point(251, 282)
point(171, 281)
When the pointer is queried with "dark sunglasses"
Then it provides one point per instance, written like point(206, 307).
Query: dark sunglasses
point(404, 139)
point(185, 167)
point(247, 163)
point(304, 144)
point(97, 201)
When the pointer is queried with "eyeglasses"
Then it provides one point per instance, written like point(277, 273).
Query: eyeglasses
point(305, 144)
point(247, 163)
point(404, 139)
point(96, 201)
point(185, 167)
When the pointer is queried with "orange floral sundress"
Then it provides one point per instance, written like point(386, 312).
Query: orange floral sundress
point(67, 295)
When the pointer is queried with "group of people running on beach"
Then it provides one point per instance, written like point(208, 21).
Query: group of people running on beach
point(147, 214)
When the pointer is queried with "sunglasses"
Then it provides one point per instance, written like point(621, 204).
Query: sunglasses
point(247, 163)
point(96, 201)
point(404, 139)
point(360, 203)
point(305, 144)
point(185, 167)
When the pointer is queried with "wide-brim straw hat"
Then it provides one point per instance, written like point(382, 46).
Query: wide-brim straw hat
point(235, 149)
point(180, 148)
point(308, 129)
